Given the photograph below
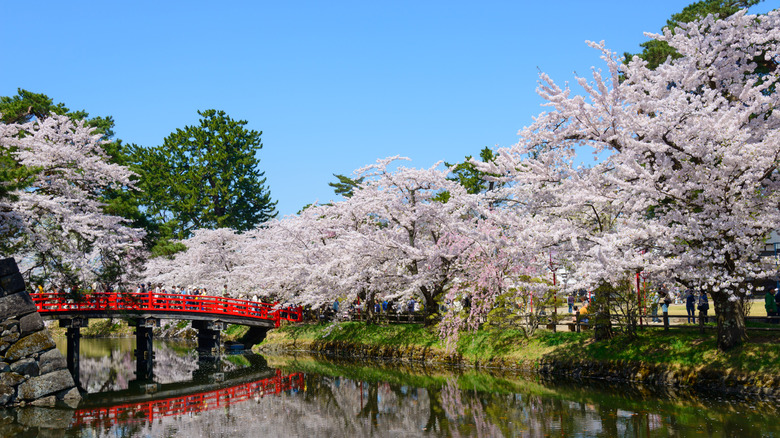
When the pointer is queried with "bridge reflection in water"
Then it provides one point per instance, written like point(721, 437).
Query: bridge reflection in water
point(161, 403)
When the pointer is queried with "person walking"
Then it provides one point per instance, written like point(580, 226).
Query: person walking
point(570, 301)
point(690, 306)
point(771, 307)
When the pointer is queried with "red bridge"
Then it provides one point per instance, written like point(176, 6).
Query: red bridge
point(163, 306)
point(209, 316)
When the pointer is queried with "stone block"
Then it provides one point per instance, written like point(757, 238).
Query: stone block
point(16, 305)
point(30, 324)
point(26, 367)
point(46, 384)
point(49, 401)
point(7, 417)
point(11, 284)
point(11, 379)
point(71, 397)
point(10, 324)
point(10, 337)
point(52, 360)
point(13, 429)
point(29, 345)
point(8, 266)
point(7, 394)
point(45, 417)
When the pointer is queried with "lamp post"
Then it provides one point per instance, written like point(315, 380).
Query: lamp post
point(555, 296)
point(639, 295)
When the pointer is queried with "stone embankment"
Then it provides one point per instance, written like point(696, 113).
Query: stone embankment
point(729, 381)
point(32, 370)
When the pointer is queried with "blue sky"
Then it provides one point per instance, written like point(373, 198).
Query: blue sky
point(333, 85)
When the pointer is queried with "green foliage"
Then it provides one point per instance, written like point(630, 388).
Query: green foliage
point(235, 331)
point(27, 106)
point(656, 52)
point(469, 177)
point(205, 176)
point(345, 186)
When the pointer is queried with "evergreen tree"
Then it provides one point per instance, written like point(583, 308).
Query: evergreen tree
point(204, 176)
point(655, 52)
point(346, 185)
point(470, 177)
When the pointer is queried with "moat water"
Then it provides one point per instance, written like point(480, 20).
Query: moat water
point(255, 396)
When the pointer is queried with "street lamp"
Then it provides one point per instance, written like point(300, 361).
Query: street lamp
point(639, 294)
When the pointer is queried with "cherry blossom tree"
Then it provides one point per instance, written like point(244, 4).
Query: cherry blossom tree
point(213, 259)
point(410, 218)
point(691, 180)
point(53, 222)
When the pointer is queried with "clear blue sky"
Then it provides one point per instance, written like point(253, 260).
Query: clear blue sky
point(333, 85)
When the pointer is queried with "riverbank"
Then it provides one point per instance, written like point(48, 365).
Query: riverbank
point(685, 359)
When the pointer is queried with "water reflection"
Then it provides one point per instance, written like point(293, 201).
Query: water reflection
point(241, 396)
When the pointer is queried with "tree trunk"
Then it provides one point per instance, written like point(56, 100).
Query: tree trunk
point(601, 319)
point(368, 310)
point(731, 321)
point(431, 311)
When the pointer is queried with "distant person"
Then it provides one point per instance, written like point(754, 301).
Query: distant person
point(690, 306)
point(777, 301)
point(570, 301)
point(771, 307)
point(703, 307)
point(666, 301)
point(654, 307)
point(582, 312)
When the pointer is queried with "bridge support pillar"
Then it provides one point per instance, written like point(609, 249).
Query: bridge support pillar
point(144, 349)
point(73, 344)
point(208, 336)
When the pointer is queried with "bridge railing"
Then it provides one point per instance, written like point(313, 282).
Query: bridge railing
point(154, 302)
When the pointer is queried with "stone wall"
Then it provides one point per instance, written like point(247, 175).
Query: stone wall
point(32, 370)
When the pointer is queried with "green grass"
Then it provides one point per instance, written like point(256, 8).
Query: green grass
point(104, 328)
point(675, 348)
point(357, 332)
point(234, 332)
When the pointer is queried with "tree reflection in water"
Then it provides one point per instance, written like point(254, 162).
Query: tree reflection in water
point(342, 399)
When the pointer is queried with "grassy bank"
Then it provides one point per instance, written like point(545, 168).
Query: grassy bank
point(653, 351)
